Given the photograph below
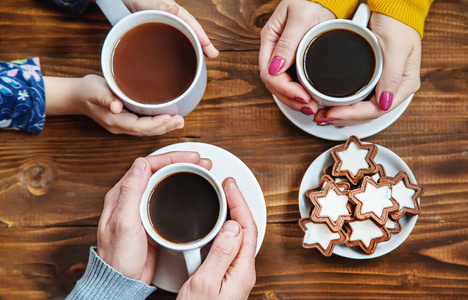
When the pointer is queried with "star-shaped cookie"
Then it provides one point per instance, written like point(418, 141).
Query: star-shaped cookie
point(319, 235)
point(354, 159)
point(373, 200)
point(331, 206)
point(406, 194)
point(366, 234)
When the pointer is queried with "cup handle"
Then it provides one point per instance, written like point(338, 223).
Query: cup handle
point(114, 10)
point(362, 15)
point(192, 260)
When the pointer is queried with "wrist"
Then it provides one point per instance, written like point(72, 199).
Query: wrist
point(63, 96)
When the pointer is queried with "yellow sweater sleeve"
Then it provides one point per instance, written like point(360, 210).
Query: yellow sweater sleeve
point(341, 8)
point(411, 12)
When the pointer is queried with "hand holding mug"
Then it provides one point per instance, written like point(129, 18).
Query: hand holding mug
point(401, 47)
point(229, 269)
point(172, 7)
point(122, 240)
point(92, 97)
point(280, 38)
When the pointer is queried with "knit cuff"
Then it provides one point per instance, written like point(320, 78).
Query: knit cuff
point(341, 8)
point(410, 12)
point(101, 281)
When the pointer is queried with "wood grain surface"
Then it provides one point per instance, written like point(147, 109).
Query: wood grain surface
point(52, 185)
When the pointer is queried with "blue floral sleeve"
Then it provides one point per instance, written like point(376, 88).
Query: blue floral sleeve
point(75, 6)
point(22, 95)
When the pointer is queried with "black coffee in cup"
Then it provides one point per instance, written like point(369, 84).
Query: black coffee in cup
point(183, 207)
point(339, 63)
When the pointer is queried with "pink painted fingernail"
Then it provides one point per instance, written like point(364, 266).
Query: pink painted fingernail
point(386, 99)
point(307, 111)
point(275, 65)
point(301, 100)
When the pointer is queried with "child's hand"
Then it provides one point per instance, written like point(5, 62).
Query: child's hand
point(280, 38)
point(101, 105)
point(401, 47)
point(172, 7)
point(91, 96)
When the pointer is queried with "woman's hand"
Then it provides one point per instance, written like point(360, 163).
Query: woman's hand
point(401, 47)
point(280, 38)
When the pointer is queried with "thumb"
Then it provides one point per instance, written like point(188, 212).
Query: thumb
point(132, 188)
point(392, 74)
point(107, 100)
point(224, 250)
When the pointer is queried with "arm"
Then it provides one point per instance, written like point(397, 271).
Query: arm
point(22, 95)
point(92, 97)
point(101, 281)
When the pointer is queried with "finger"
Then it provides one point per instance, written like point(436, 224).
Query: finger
point(131, 189)
point(240, 212)
point(129, 123)
point(103, 96)
point(393, 67)
point(208, 48)
point(356, 113)
point(222, 253)
point(285, 50)
point(283, 84)
point(306, 108)
point(156, 162)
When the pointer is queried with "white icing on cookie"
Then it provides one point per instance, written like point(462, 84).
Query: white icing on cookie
point(403, 195)
point(365, 231)
point(319, 234)
point(375, 199)
point(353, 159)
point(333, 205)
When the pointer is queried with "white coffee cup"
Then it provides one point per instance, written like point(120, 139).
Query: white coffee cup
point(123, 21)
point(190, 250)
point(358, 25)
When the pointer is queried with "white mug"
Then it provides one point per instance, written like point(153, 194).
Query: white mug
point(358, 25)
point(123, 21)
point(191, 250)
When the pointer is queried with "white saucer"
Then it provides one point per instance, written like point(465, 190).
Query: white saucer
point(333, 133)
point(171, 272)
point(392, 164)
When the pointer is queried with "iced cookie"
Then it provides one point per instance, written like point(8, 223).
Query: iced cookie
point(373, 200)
point(366, 234)
point(406, 194)
point(331, 206)
point(354, 160)
point(393, 226)
point(319, 235)
point(380, 173)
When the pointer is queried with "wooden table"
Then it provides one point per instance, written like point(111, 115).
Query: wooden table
point(52, 185)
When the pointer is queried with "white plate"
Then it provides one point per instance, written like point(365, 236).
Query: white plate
point(392, 164)
point(171, 272)
point(333, 133)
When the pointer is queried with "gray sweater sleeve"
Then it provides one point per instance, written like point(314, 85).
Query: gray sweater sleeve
point(101, 281)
